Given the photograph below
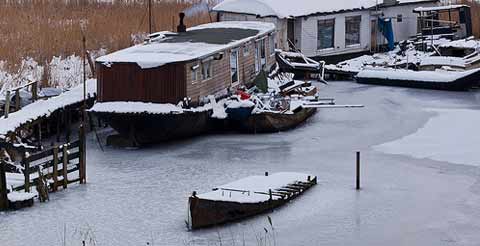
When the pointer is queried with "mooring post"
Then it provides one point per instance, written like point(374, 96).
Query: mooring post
point(55, 168)
point(82, 149)
point(3, 187)
point(7, 104)
point(17, 100)
point(35, 91)
point(358, 170)
point(266, 173)
point(26, 172)
point(64, 166)
point(270, 194)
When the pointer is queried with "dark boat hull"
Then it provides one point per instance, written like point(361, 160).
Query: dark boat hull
point(269, 122)
point(145, 128)
point(461, 84)
point(207, 213)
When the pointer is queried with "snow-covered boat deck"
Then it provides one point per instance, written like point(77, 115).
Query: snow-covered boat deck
point(254, 189)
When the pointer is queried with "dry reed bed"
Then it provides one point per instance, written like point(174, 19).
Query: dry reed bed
point(41, 29)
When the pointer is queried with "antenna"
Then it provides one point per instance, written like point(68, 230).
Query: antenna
point(149, 16)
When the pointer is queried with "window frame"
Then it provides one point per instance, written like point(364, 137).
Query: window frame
point(207, 74)
point(234, 51)
point(359, 33)
point(324, 22)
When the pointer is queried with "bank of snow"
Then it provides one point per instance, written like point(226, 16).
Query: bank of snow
point(450, 136)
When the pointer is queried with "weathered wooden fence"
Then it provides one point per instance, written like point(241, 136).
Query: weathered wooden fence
point(55, 164)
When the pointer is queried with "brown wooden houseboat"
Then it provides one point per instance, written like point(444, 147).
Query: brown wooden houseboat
point(159, 90)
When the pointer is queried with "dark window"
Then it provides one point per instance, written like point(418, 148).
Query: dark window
point(326, 34)
point(399, 18)
point(352, 30)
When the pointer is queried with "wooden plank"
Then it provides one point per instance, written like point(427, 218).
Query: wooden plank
point(40, 155)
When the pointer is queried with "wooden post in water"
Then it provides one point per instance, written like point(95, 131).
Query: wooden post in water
point(64, 166)
point(358, 171)
point(17, 100)
point(7, 104)
point(26, 172)
point(3, 187)
point(82, 159)
point(55, 168)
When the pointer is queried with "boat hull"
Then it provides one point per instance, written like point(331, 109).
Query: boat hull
point(146, 128)
point(268, 122)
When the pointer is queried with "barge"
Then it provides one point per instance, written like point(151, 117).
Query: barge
point(436, 80)
point(246, 197)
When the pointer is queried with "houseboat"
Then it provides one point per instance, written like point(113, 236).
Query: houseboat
point(161, 89)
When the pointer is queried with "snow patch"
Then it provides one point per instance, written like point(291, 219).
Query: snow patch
point(449, 136)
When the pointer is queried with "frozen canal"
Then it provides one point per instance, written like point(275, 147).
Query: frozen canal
point(420, 180)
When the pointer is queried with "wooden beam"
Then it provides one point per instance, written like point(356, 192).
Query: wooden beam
point(82, 159)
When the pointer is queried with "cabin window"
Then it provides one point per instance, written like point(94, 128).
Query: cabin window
point(326, 34)
point(207, 69)
point(263, 55)
point(352, 30)
point(194, 71)
point(271, 44)
point(246, 49)
point(234, 66)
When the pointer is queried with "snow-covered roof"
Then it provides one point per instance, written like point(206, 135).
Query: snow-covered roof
point(289, 8)
point(44, 108)
point(439, 8)
point(121, 107)
point(198, 42)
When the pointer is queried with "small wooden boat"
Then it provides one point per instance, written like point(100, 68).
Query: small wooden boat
point(246, 197)
point(297, 63)
point(436, 80)
point(275, 121)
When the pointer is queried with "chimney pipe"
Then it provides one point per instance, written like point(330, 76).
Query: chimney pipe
point(181, 27)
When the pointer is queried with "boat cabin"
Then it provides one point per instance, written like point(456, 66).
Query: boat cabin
point(451, 20)
point(193, 63)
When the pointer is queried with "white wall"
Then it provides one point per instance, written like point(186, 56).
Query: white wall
point(280, 24)
point(408, 27)
point(310, 33)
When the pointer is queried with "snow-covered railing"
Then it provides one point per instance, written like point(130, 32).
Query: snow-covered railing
point(16, 90)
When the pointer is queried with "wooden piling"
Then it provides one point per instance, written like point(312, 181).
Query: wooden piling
point(26, 172)
point(3, 187)
point(358, 171)
point(17, 100)
point(55, 168)
point(83, 156)
point(35, 91)
point(64, 166)
point(7, 104)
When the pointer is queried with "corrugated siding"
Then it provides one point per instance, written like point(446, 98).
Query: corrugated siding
point(128, 82)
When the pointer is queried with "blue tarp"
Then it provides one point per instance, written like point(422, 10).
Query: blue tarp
point(385, 26)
